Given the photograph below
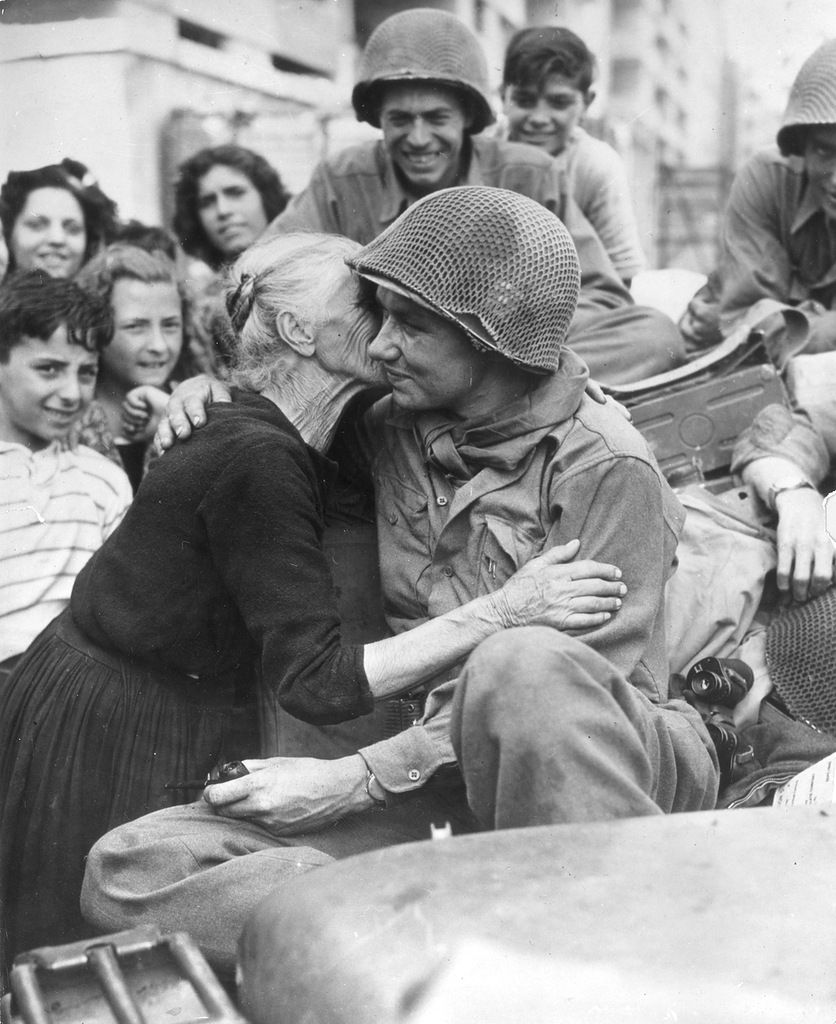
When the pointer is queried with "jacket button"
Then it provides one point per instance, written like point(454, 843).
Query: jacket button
point(441, 501)
point(447, 570)
point(392, 517)
point(413, 774)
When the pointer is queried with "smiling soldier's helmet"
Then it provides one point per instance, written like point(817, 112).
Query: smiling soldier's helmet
point(426, 46)
point(812, 99)
point(495, 263)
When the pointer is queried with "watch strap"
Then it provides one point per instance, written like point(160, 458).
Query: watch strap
point(777, 489)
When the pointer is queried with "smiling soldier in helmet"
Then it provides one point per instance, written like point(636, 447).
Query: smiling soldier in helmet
point(487, 453)
point(423, 81)
point(779, 229)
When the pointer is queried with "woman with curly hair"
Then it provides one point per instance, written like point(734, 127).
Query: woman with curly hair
point(224, 198)
point(55, 218)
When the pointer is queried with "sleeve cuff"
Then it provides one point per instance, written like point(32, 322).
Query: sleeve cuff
point(405, 762)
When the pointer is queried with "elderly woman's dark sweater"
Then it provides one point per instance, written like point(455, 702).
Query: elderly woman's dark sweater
point(218, 566)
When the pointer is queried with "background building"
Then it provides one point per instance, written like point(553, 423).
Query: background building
point(131, 87)
point(666, 101)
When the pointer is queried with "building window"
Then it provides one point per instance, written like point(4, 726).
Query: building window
point(199, 34)
point(624, 13)
point(625, 76)
point(281, 63)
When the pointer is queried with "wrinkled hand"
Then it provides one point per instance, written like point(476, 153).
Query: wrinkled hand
point(805, 552)
point(141, 411)
point(186, 409)
point(552, 590)
point(288, 795)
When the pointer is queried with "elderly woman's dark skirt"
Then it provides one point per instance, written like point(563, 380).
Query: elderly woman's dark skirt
point(73, 768)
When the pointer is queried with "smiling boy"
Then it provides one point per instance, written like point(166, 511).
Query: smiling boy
point(57, 503)
point(546, 90)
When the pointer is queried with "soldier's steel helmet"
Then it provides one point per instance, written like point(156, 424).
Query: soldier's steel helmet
point(429, 46)
point(497, 264)
point(812, 99)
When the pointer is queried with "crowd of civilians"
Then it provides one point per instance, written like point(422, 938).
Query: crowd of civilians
point(411, 349)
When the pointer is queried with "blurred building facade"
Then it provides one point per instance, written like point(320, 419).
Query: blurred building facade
point(667, 101)
point(133, 86)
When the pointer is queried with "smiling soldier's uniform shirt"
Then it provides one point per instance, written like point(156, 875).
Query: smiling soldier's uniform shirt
point(357, 193)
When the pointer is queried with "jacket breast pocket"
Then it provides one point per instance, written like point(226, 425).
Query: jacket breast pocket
point(400, 504)
point(403, 529)
point(504, 547)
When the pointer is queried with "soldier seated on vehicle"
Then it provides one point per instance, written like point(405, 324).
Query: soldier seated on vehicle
point(487, 452)
point(778, 228)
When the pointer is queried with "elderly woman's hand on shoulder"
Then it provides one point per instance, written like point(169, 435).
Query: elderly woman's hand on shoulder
point(553, 590)
point(186, 409)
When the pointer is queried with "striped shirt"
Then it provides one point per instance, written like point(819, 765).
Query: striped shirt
point(56, 508)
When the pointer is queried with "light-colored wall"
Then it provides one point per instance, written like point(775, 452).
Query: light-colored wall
point(103, 89)
point(70, 106)
point(706, 139)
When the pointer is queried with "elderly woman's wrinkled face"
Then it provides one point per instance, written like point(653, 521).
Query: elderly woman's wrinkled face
point(230, 209)
point(147, 335)
point(49, 233)
point(342, 342)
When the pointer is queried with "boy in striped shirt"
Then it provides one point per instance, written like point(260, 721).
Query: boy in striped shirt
point(57, 503)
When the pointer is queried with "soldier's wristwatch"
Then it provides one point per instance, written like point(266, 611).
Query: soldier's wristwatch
point(777, 489)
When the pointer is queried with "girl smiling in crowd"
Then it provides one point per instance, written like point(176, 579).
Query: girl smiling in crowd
point(146, 305)
point(54, 218)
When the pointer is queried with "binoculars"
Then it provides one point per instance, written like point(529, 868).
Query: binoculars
point(723, 681)
point(220, 773)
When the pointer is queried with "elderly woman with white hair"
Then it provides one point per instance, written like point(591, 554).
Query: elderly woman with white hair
point(216, 583)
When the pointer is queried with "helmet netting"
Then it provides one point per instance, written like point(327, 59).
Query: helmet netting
point(495, 262)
